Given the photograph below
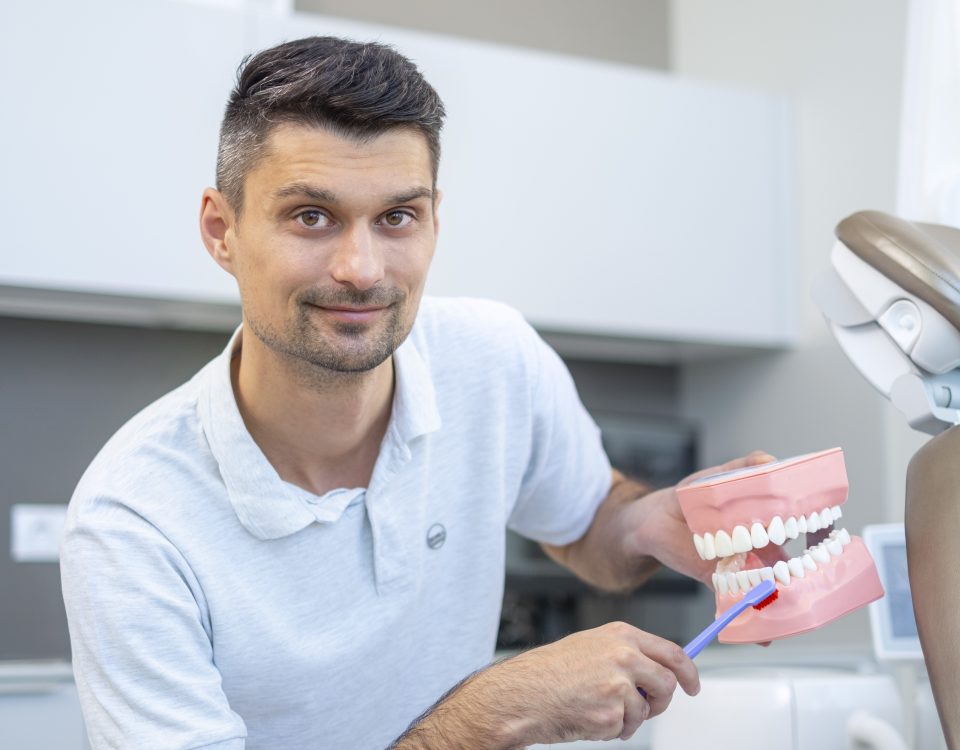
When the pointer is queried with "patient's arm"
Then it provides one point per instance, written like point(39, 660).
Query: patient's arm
point(933, 554)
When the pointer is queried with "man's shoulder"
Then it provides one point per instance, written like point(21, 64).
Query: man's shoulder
point(451, 320)
point(462, 338)
point(153, 450)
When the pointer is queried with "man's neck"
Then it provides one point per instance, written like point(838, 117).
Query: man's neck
point(320, 430)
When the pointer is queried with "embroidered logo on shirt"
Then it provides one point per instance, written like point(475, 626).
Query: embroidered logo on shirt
point(436, 536)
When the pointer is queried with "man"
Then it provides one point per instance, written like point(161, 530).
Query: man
point(303, 547)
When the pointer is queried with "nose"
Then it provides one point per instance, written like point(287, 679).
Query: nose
point(357, 260)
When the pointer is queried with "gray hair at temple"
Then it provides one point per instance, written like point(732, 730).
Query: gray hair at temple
point(352, 89)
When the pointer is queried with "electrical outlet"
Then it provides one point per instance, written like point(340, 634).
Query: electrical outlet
point(35, 532)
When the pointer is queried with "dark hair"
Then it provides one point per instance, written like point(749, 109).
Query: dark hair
point(353, 89)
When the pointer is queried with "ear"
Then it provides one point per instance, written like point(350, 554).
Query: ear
point(437, 197)
point(218, 228)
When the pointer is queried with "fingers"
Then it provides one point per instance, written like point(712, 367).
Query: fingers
point(672, 658)
point(658, 685)
point(754, 458)
point(636, 710)
point(661, 667)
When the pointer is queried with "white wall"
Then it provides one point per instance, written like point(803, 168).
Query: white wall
point(841, 64)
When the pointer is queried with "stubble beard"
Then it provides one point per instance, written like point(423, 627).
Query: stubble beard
point(333, 349)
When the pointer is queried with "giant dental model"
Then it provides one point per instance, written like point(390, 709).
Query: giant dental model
point(734, 514)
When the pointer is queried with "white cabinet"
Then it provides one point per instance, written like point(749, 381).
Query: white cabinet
point(111, 111)
point(594, 197)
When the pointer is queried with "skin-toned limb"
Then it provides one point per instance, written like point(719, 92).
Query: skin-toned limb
point(593, 558)
point(933, 527)
point(636, 530)
point(583, 686)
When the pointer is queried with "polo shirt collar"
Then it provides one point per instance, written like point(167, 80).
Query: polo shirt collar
point(266, 505)
point(415, 410)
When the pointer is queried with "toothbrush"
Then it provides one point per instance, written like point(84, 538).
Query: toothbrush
point(758, 597)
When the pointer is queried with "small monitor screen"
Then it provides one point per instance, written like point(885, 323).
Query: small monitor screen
point(897, 584)
point(891, 618)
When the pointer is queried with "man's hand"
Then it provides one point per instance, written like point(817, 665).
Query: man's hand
point(581, 687)
point(635, 531)
point(655, 525)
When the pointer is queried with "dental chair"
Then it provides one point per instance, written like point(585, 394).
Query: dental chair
point(892, 300)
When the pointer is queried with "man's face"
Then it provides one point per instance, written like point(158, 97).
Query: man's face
point(334, 242)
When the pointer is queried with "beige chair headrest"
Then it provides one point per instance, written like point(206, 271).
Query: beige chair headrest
point(924, 259)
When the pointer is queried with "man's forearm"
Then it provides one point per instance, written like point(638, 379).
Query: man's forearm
point(482, 712)
point(581, 687)
point(605, 557)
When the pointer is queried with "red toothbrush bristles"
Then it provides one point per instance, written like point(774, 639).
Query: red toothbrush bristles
point(769, 600)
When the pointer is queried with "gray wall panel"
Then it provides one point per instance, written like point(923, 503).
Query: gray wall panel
point(64, 389)
point(635, 32)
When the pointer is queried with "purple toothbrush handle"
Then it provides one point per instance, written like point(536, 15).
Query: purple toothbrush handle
point(756, 595)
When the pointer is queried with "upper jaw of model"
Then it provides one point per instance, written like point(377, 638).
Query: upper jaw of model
point(736, 514)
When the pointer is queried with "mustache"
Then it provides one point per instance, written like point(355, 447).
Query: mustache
point(374, 297)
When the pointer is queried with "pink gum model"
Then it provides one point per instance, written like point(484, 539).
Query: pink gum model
point(761, 508)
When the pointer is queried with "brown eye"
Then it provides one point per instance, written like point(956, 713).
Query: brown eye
point(310, 218)
point(397, 218)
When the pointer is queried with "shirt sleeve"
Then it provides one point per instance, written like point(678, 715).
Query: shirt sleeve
point(568, 473)
point(142, 653)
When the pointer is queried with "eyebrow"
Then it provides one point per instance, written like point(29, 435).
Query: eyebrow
point(325, 196)
point(303, 189)
point(411, 195)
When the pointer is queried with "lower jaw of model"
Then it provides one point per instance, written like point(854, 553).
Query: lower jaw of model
point(748, 520)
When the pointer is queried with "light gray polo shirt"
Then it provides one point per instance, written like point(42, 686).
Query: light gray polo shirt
point(213, 605)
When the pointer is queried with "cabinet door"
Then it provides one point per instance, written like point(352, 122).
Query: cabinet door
point(111, 111)
point(600, 198)
point(596, 198)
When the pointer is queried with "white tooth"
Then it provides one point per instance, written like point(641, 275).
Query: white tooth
point(819, 554)
point(741, 539)
point(781, 572)
point(837, 512)
point(743, 580)
point(758, 536)
point(732, 583)
point(722, 586)
point(844, 536)
point(698, 543)
point(813, 522)
point(778, 535)
point(802, 525)
point(766, 574)
point(796, 567)
point(835, 548)
point(723, 543)
point(826, 518)
point(791, 528)
point(808, 562)
point(714, 579)
point(709, 550)
point(754, 577)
